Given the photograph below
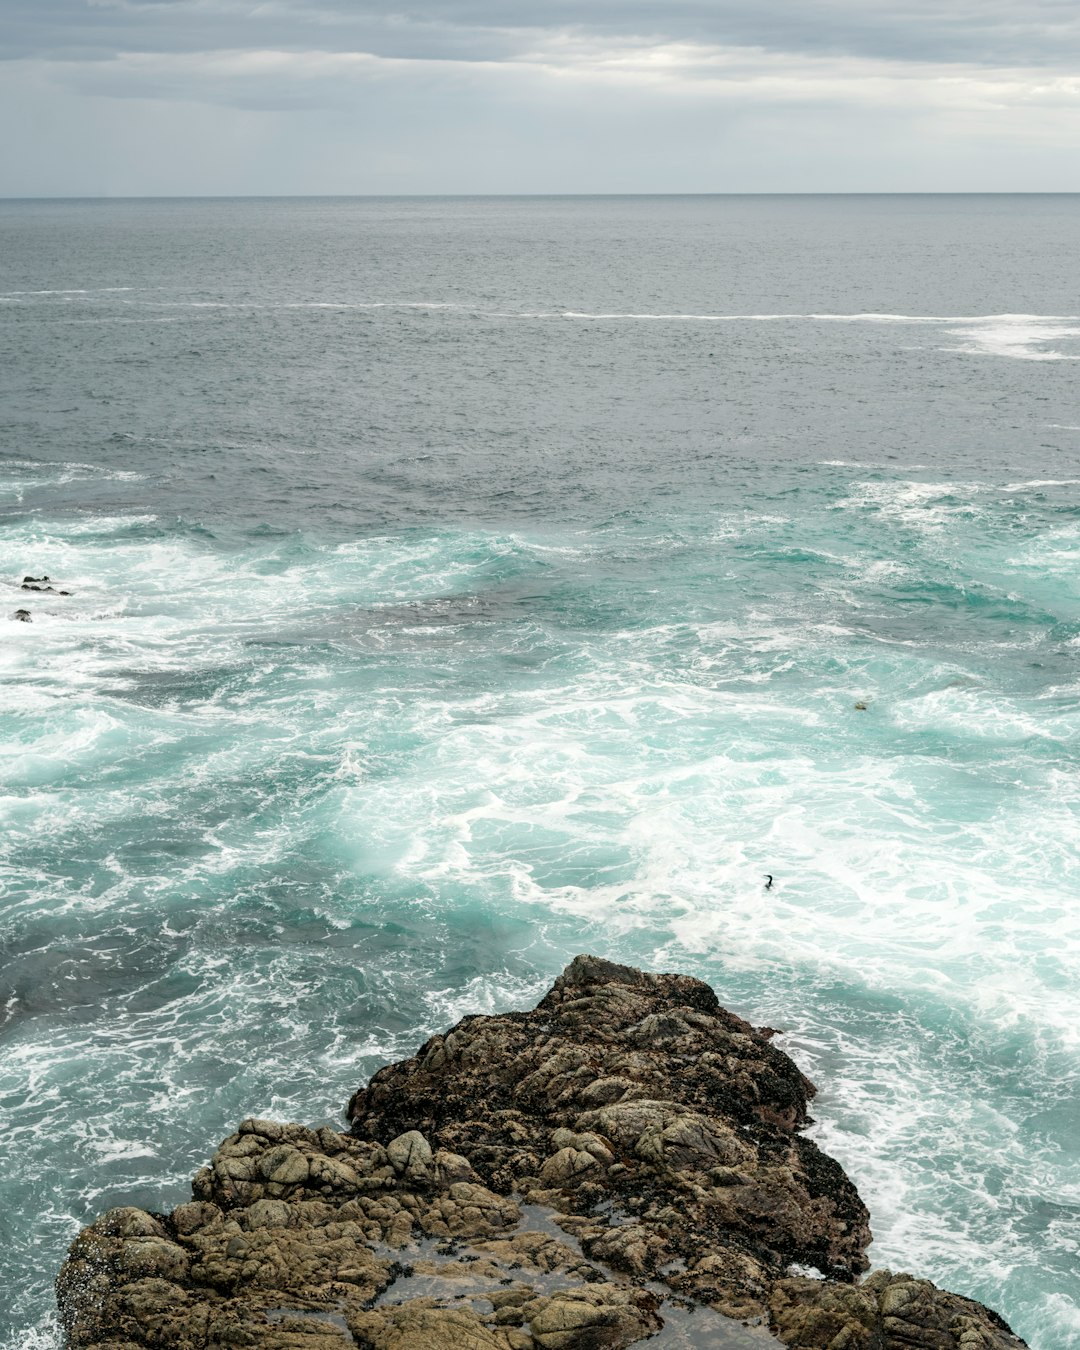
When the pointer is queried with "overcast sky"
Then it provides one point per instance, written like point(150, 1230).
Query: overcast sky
point(134, 97)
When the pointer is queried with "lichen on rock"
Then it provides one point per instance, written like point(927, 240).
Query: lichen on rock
point(656, 1133)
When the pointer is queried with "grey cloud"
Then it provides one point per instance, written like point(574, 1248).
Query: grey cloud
point(991, 32)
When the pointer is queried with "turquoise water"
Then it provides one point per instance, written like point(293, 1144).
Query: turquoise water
point(458, 586)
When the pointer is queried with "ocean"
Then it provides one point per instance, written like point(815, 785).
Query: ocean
point(460, 584)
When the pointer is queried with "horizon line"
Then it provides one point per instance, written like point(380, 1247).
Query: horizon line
point(482, 196)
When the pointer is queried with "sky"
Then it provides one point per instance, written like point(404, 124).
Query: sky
point(238, 97)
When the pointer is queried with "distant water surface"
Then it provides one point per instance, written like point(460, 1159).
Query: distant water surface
point(460, 584)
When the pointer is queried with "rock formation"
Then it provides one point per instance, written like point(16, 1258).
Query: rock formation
point(623, 1162)
point(36, 584)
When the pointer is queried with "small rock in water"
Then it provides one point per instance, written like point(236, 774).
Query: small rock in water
point(23, 616)
point(860, 707)
point(34, 584)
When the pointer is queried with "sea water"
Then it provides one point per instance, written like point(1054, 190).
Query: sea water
point(458, 585)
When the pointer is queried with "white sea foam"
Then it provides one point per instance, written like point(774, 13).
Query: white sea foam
point(992, 322)
point(66, 471)
point(80, 290)
point(45, 1336)
point(111, 1149)
point(1055, 551)
point(924, 506)
point(1041, 482)
point(1023, 337)
point(1027, 337)
point(630, 795)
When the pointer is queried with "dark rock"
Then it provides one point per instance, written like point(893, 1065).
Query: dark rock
point(659, 1131)
point(649, 1073)
point(23, 616)
point(34, 584)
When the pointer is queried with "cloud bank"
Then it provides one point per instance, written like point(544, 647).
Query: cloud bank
point(160, 96)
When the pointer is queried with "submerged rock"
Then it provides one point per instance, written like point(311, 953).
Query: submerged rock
point(623, 1162)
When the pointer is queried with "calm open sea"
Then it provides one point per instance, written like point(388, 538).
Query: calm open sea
point(458, 585)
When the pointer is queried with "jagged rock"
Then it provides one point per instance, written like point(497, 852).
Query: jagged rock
point(885, 1312)
point(632, 1089)
point(660, 1132)
point(23, 616)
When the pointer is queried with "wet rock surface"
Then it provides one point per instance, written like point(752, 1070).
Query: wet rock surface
point(624, 1162)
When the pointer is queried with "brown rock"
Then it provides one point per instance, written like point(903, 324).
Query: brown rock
point(597, 1317)
point(420, 1325)
point(410, 1155)
point(886, 1312)
point(662, 1132)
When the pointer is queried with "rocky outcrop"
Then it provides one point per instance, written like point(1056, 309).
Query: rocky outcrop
point(39, 584)
point(623, 1162)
